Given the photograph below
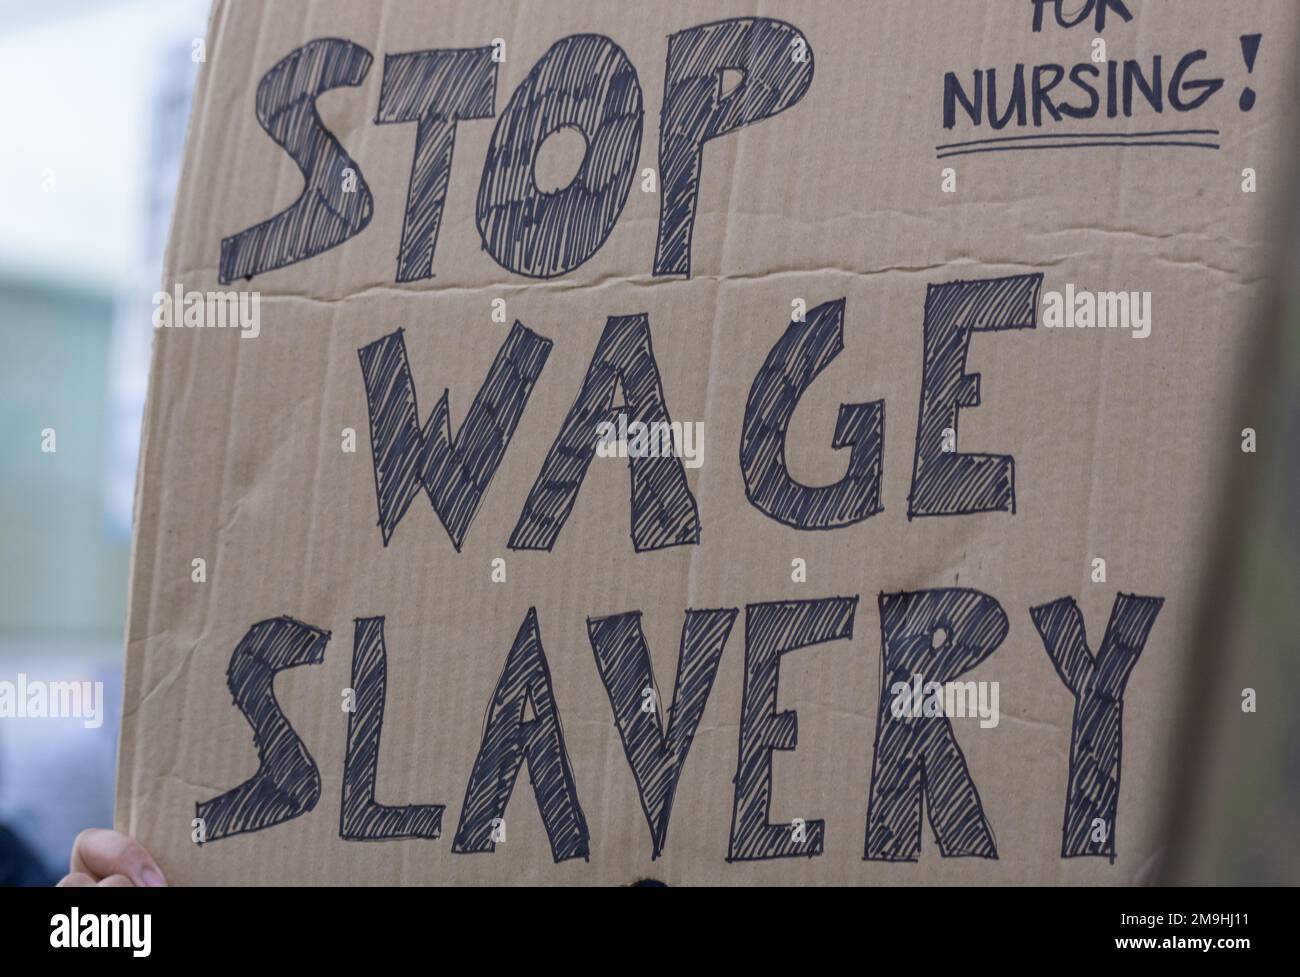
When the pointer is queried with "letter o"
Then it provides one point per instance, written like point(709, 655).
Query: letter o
point(584, 81)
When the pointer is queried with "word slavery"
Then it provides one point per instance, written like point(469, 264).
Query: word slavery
point(929, 638)
point(917, 756)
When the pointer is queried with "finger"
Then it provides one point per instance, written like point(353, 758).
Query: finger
point(100, 853)
point(116, 882)
point(76, 880)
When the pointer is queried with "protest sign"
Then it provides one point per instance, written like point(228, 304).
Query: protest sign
point(590, 442)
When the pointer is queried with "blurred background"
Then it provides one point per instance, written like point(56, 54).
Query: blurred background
point(93, 121)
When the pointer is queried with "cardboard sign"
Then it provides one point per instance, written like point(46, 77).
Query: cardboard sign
point(590, 441)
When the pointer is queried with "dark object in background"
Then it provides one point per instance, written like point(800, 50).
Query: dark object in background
point(1233, 815)
point(18, 866)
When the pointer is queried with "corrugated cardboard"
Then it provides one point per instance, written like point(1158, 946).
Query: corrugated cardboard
point(849, 197)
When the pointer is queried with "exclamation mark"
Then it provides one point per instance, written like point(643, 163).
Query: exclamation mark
point(1249, 49)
